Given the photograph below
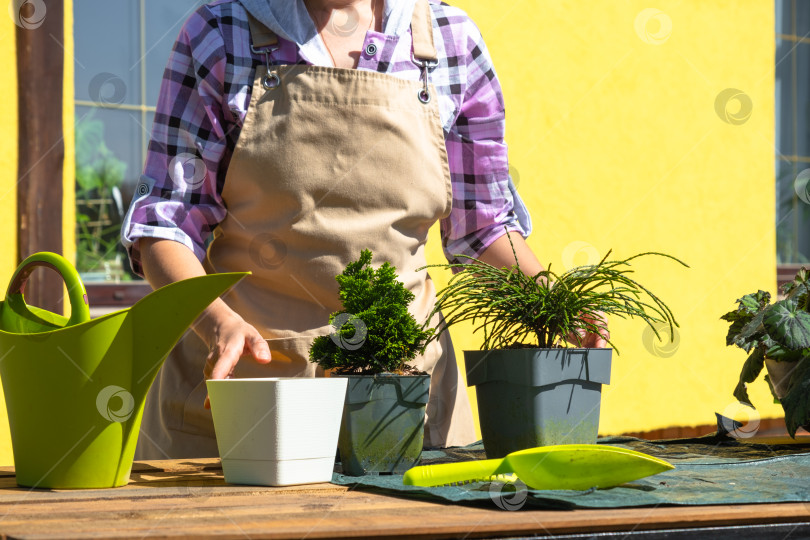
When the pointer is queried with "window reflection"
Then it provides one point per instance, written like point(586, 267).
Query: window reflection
point(121, 50)
point(792, 89)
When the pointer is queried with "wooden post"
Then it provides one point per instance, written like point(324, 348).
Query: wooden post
point(40, 64)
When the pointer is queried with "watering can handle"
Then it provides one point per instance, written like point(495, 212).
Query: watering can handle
point(79, 308)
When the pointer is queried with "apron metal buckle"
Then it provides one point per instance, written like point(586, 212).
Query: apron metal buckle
point(270, 80)
point(425, 65)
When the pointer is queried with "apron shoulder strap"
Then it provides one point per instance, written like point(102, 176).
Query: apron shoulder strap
point(260, 35)
point(422, 31)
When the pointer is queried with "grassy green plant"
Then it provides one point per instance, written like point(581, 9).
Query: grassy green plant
point(375, 332)
point(779, 332)
point(547, 309)
point(98, 174)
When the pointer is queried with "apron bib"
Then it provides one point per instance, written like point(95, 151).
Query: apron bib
point(329, 162)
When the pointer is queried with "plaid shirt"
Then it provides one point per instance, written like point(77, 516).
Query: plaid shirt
point(205, 95)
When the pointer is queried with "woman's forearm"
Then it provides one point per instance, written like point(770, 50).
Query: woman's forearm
point(167, 261)
point(499, 254)
point(226, 334)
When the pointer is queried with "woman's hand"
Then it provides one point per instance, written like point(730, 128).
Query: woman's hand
point(228, 338)
point(582, 338)
point(587, 340)
point(227, 335)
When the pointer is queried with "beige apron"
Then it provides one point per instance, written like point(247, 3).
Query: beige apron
point(329, 162)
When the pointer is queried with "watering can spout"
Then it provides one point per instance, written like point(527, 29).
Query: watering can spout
point(161, 318)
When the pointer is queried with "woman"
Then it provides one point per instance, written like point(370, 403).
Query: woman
point(300, 133)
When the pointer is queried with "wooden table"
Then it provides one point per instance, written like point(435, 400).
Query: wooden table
point(189, 498)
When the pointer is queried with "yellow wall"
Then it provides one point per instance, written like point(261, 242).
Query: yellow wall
point(68, 127)
point(8, 182)
point(613, 132)
point(8, 172)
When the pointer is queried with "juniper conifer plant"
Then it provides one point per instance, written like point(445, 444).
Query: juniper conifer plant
point(375, 332)
point(533, 388)
point(547, 310)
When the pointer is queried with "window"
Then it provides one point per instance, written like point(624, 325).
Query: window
point(121, 50)
point(792, 132)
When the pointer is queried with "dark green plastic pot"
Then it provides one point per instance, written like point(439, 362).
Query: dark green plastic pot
point(537, 397)
point(383, 423)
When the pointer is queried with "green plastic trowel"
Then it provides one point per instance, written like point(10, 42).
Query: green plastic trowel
point(75, 387)
point(565, 466)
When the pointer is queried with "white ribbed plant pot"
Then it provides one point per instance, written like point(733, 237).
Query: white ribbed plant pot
point(277, 432)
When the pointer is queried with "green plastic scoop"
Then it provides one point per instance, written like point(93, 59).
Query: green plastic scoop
point(74, 387)
point(565, 466)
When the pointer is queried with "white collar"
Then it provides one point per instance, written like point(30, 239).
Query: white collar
point(291, 21)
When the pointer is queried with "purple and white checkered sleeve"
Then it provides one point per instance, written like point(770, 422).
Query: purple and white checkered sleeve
point(485, 201)
point(177, 197)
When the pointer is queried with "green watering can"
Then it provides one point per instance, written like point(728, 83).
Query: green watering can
point(74, 387)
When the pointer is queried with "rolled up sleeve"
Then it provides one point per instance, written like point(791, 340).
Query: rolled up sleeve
point(485, 201)
point(178, 196)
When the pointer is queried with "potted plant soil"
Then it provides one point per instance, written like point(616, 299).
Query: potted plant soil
point(382, 430)
point(535, 384)
point(777, 337)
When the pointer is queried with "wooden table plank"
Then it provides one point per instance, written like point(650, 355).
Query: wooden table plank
point(190, 499)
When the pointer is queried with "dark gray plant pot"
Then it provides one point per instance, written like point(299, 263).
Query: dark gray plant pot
point(537, 397)
point(383, 424)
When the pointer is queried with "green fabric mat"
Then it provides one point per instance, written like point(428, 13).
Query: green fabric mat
point(709, 470)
